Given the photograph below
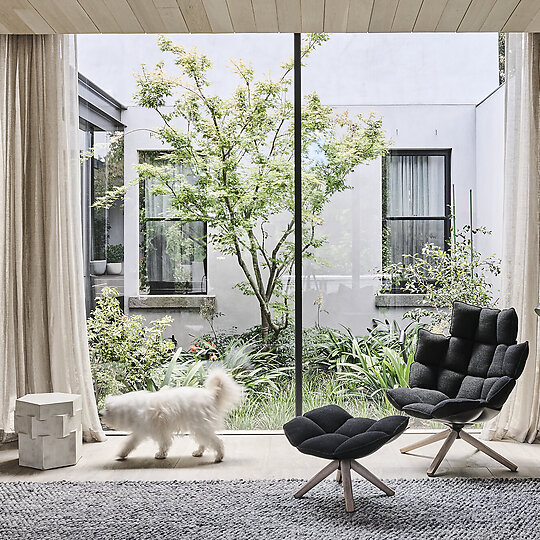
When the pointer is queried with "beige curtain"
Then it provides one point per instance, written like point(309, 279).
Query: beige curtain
point(43, 342)
point(519, 418)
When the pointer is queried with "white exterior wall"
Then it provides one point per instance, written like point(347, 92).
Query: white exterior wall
point(489, 192)
point(426, 88)
point(349, 69)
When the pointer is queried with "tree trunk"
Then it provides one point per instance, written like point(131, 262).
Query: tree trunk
point(265, 324)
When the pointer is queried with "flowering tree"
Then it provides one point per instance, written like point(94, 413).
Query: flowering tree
point(240, 150)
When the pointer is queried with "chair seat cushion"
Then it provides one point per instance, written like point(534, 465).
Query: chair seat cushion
point(401, 397)
point(331, 432)
point(432, 404)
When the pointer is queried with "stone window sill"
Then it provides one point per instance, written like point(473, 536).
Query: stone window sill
point(399, 300)
point(172, 301)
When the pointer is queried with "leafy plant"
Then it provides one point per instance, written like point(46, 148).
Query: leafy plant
point(443, 276)
point(250, 366)
point(375, 362)
point(319, 303)
point(209, 313)
point(115, 253)
point(125, 353)
point(271, 409)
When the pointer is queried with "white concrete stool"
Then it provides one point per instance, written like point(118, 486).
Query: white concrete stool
point(50, 430)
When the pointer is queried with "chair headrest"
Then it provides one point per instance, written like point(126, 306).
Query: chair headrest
point(484, 325)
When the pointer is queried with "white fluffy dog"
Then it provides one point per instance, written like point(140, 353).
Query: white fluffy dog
point(161, 415)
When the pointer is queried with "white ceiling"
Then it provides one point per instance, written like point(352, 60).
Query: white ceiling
point(224, 16)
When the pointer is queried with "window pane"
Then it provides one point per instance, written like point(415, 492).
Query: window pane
point(415, 186)
point(176, 257)
point(409, 237)
point(157, 204)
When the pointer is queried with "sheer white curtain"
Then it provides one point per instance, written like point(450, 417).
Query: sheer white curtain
point(43, 342)
point(519, 418)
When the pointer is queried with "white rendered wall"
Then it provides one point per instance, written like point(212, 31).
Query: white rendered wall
point(349, 69)
point(489, 187)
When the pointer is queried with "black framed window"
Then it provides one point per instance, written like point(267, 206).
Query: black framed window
point(415, 202)
point(173, 254)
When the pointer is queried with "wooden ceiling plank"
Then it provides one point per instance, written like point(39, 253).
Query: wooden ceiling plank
point(335, 18)
point(452, 15)
point(406, 15)
point(242, 16)
point(74, 13)
point(165, 4)
point(359, 15)
point(535, 24)
point(522, 17)
point(34, 21)
point(31, 17)
point(173, 22)
point(13, 23)
point(101, 16)
point(312, 13)
point(265, 15)
point(429, 15)
point(195, 16)
point(382, 15)
point(124, 16)
point(498, 15)
point(476, 15)
point(147, 15)
point(56, 17)
point(289, 14)
point(218, 15)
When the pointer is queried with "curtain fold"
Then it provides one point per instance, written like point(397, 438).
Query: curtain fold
point(43, 341)
point(519, 418)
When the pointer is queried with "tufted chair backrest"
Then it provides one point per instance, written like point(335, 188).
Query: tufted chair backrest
point(480, 351)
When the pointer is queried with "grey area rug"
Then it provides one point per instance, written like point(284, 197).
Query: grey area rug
point(432, 508)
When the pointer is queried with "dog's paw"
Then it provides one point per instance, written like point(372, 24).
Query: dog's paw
point(198, 453)
point(219, 457)
point(121, 458)
point(161, 455)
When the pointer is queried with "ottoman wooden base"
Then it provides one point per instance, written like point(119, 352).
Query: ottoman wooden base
point(344, 467)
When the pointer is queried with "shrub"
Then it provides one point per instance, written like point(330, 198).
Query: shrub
point(124, 353)
point(460, 273)
point(115, 253)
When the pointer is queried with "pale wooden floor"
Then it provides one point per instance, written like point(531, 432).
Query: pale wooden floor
point(269, 456)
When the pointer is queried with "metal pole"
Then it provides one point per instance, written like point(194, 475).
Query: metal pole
point(297, 224)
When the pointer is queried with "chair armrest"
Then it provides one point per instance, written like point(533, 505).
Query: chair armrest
point(515, 359)
point(500, 391)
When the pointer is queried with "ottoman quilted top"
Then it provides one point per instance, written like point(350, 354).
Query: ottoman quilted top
point(331, 432)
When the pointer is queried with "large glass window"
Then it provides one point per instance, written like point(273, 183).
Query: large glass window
point(415, 202)
point(173, 253)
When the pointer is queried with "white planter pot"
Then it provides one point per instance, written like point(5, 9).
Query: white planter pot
point(114, 268)
point(98, 267)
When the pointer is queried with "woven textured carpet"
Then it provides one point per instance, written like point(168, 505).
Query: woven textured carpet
point(431, 508)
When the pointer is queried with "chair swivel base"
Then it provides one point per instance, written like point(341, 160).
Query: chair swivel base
point(450, 435)
point(343, 468)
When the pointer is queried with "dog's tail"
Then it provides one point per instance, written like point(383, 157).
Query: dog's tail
point(227, 391)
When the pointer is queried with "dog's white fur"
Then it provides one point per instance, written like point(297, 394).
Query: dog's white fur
point(170, 411)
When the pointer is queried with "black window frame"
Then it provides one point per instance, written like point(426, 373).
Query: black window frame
point(446, 153)
point(164, 289)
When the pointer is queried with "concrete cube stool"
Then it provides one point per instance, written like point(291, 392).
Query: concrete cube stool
point(332, 433)
point(50, 430)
